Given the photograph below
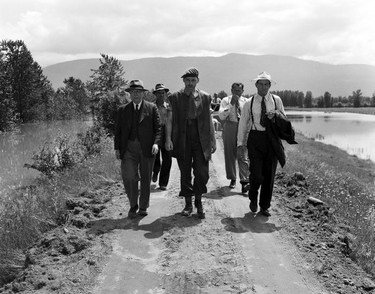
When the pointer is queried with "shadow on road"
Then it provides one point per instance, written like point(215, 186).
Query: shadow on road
point(221, 193)
point(251, 222)
point(153, 230)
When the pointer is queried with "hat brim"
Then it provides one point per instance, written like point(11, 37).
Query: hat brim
point(159, 90)
point(259, 79)
point(135, 88)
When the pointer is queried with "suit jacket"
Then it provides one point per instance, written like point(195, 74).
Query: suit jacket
point(149, 127)
point(280, 128)
point(179, 103)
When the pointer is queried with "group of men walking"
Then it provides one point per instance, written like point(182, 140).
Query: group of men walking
point(180, 125)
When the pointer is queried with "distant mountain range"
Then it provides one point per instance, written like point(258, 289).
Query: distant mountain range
point(218, 73)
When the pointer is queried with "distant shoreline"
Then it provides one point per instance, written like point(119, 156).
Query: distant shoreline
point(360, 110)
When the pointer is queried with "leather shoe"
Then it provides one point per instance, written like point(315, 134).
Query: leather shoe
point(245, 188)
point(253, 206)
point(133, 212)
point(232, 184)
point(142, 212)
point(163, 188)
point(187, 211)
point(265, 212)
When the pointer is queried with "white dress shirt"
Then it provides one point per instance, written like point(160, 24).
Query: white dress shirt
point(247, 123)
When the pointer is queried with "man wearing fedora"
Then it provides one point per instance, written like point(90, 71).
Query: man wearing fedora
point(191, 138)
point(164, 167)
point(257, 113)
point(137, 136)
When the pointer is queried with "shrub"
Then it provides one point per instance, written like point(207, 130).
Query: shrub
point(63, 153)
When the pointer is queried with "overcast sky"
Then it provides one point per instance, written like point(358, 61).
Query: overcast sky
point(329, 31)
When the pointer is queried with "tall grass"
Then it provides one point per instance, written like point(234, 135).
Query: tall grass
point(346, 186)
point(27, 212)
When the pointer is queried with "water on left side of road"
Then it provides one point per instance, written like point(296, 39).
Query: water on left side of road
point(18, 147)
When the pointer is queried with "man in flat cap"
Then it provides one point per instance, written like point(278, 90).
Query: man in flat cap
point(191, 138)
point(257, 113)
point(137, 136)
point(162, 167)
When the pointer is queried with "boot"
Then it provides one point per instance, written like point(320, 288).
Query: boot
point(188, 206)
point(199, 206)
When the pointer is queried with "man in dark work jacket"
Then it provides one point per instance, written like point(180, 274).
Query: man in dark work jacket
point(190, 137)
point(137, 135)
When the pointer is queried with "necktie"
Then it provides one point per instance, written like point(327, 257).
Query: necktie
point(238, 109)
point(136, 108)
point(263, 113)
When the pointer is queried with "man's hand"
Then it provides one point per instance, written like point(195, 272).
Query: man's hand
point(168, 144)
point(234, 99)
point(270, 114)
point(155, 149)
point(117, 153)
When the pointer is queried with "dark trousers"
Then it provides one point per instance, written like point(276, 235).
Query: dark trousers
point(164, 167)
point(263, 163)
point(134, 167)
point(193, 160)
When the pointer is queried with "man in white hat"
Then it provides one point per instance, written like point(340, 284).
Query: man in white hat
point(191, 138)
point(137, 136)
point(257, 113)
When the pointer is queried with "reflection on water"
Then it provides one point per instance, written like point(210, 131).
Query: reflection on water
point(17, 148)
point(354, 133)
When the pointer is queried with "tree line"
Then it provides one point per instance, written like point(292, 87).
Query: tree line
point(27, 95)
point(299, 99)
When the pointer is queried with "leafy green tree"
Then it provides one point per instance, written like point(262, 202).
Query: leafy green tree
point(327, 99)
point(373, 100)
point(25, 78)
point(320, 102)
point(76, 89)
point(7, 106)
point(308, 99)
point(106, 91)
point(357, 98)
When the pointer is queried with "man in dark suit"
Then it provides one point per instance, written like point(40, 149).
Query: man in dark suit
point(137, 135)
point(190, 136)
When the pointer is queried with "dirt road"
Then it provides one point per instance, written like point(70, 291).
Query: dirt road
point(231, 251)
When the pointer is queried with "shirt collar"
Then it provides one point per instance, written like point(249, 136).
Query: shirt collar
point(139, 105)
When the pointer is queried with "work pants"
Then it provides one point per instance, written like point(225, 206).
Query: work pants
point(263, 163)
point(193, 160)
point(164, 167)
point(233, 154)
point(134, 167)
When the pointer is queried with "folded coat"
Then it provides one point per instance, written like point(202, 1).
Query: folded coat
point(280, 128)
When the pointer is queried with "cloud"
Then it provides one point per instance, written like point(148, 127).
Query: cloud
point(324, 30)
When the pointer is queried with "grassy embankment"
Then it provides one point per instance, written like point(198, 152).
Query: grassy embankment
point(27, 212)
point(346, 183)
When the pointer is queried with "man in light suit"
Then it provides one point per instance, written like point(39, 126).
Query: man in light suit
point(229, 114)
point(137, 136)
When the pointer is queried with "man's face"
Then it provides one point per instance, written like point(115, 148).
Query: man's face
point(237, 90)
point(137, 96)
point(160, 96)
point(190, 83)
point(263, 86)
